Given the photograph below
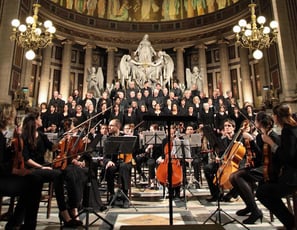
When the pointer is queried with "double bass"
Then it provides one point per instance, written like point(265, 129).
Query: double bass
point(231, 159)
point(162, 170)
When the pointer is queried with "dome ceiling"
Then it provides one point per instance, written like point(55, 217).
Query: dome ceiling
point(164, 34)
point(144, 10)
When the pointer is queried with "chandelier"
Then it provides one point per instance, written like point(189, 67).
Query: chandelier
point(255, 35)
point(33, 35)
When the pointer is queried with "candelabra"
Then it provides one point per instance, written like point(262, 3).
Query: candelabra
point(32, 36)
point(254, 35)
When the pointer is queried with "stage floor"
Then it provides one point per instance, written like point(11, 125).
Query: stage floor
point(148, 207)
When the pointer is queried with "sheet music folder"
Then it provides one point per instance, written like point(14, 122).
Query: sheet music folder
point(120, 144)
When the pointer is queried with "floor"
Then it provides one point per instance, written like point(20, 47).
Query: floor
point(149, 207)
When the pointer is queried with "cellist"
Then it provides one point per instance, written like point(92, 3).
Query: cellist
point(243, 179)
point(211, 168)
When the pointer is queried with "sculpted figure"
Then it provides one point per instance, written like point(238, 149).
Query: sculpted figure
point(95, 80)
point(145, 51)
point(194, 78)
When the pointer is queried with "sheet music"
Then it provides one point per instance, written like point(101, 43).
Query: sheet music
point(195, 140)
point(179, 145)
point(152, 138)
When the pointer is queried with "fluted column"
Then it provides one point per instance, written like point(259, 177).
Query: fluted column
point(10, 10)
point(88, 64)
point(225, 73)
point(245, 76)
point(43, 95)
point(180, 66)
point(284, 13)
point(65, 73)
point(110, 64)
point(203, 66)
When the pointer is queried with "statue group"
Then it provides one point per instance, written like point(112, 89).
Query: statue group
point(146, 65)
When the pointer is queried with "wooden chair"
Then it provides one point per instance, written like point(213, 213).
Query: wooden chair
point(47, 196)
point(6, 215)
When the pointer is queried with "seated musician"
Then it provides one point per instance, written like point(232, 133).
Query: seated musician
point(176, 165)
point(195, 153)
point(270, 194)
point(153, 151)
point(16, 180)
point(243, 179)
point(211, 168)
point(113, 164)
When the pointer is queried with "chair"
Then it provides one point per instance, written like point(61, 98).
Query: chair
point(9, 212)
point(47, 196)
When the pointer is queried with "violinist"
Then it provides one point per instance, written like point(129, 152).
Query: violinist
point(112, 165)
point(244, 179)
point(17, 181)
point(270, 194)
point(211, 168)
point(36, 144)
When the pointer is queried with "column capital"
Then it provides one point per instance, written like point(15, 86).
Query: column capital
point(67, 42)
point(201, 46)
point(223, 41)
point(111, 49)
point(182, 49)
point(89, 46)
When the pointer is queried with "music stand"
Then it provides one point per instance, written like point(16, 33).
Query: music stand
point(218, 212)
point(181, 149)
point(154, 138)
point(120, 145)
point(90, 210)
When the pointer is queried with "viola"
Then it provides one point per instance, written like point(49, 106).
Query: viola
point(17, 144)
point(162, 170)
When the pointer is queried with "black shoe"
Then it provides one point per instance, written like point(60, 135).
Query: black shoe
point(126, 204)
point(253, 217)
point(212, 199)
point(71, 223)
point(243, 212)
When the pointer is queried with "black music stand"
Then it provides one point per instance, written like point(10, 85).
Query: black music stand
point(218, 212)
point(169, 120)
point(181, 148)
point(90, 210)
point(120, 145)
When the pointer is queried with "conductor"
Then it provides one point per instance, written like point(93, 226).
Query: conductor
point(113, 164)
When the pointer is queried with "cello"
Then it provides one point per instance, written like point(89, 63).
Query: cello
point(162, 170)
point(231, 159)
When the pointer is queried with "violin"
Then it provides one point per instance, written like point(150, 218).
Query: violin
point(17, 144)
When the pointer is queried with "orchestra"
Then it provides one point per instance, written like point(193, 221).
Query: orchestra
point(246, 160)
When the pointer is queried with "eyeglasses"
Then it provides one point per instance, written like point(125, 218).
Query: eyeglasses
point(228, 125)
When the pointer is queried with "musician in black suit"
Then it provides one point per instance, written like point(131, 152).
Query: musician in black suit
point(211, 168)
point(112, 165)
point(270, 194)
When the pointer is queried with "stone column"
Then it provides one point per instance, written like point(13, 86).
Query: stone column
point(110, 64)
point(180, 66)
point(88, 64)
point(10, 10)
point(283, 13)
point(65, 73)
point(225, 73)
point(203, 66)
point(245, 76)
point(43, 95)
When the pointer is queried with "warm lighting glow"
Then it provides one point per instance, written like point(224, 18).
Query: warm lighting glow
point(32, 36)
point(257, 54)
point(30, 55)
point(254, 35)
